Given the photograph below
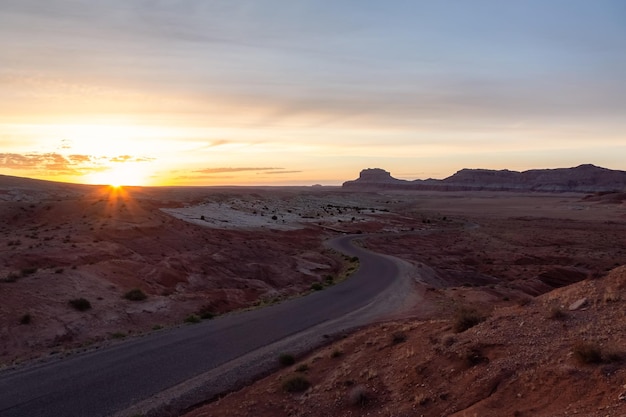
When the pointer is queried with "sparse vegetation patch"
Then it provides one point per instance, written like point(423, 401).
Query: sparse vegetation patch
point(336, 353)
point(192, 318)
point(206, 313)
point(286, 359)
point(302, 368)
point(80, 304)
point(467, 318)
point(557, 313)
point(398, 337)
point(359, 396)
point(587, 353)
point(135, 295)
point(296, 383)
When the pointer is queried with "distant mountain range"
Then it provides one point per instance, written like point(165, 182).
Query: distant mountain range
point(584, 178)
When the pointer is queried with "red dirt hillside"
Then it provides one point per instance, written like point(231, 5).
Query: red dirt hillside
point(540, 359)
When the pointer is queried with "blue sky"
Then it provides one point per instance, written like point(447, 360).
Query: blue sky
point(299, 92)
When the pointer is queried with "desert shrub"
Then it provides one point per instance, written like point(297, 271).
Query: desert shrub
point(205, 313)
point(80, 304)
point(135, 295)
point(587, 353)
point(302, 368)
point(28, 271)
point(398, 337)
point(286, 359)
point(118, 335)
point(157, 327)
point(467, 318)
point(474, 356)
point(316, 286)
point(11, 277)
point(421, 399)
point(359, 396)
point(557, 313)
point(192, 318)
point(26, 319)
point(336, 353)
point(296, 383)
point(612, 356)
point(448, 340)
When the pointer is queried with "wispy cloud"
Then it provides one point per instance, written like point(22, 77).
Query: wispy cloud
point(128, 158)
point(230, 169)
point(281, 172)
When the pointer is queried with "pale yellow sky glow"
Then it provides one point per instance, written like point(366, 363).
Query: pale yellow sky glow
point(270, 92)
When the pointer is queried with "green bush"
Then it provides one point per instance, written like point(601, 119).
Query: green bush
point(296, 383)
point(206, 313)
point(286, 359)
point(135, 295)
point(316, 286)
point(80, 304)
point(192, 318)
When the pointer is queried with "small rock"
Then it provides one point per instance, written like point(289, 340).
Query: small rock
point(578, 304)
point(622, 396)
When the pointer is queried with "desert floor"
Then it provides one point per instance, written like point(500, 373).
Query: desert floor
point(518, 261)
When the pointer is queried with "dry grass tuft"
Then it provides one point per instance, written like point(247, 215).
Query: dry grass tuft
point(467, 318)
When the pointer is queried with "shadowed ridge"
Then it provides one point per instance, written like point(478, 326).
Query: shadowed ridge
point(586, 178)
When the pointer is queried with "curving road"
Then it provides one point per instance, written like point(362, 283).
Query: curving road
point(167, 371)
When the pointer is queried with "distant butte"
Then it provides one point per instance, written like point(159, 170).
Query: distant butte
point(583, 178)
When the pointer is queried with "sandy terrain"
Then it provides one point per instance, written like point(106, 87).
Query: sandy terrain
point(513, 257)
point(521, 261)
point(288, 213)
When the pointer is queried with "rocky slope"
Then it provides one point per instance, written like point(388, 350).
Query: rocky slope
point(560, 354)
point(62, 242)
point(584, 178)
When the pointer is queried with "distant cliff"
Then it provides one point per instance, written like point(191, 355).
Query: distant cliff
point(584, 178)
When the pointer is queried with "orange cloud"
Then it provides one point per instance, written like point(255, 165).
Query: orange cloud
point(229, 169)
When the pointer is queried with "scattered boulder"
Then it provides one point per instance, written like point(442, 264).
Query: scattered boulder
point(578, 304)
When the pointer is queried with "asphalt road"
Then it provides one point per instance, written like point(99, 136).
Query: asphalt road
point(109, 381)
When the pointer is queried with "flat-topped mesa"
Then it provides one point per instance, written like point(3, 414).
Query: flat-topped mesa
point(375, 175)
point(375, 178)
point(583, 178)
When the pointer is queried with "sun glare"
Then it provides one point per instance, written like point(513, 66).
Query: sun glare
point(121, 174)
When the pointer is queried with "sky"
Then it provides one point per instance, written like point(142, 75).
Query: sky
point(301, 92)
